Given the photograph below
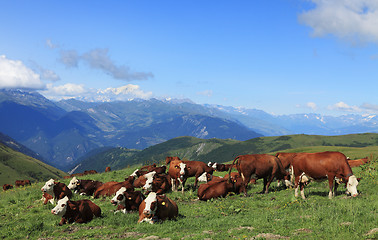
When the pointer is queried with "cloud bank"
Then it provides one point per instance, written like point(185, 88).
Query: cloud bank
point(14, 74)
point(354, 21)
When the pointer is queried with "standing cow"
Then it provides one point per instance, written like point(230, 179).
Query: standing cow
point(324, 165)
point(178, 173)
point(258, 166)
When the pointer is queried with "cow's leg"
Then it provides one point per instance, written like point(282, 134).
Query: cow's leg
point(330, 182)
point(270, 180)
point(296, 185)
point(173, 182)
point(246, 180)
point(196, 180)
point(302, 190)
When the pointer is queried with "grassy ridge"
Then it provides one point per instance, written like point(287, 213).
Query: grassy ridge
point(222, 150)
point(17, 166)
point(276, 214)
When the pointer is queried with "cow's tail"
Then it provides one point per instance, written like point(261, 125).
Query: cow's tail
point(232, 165)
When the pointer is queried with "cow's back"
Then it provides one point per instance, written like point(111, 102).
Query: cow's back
point(167, 208)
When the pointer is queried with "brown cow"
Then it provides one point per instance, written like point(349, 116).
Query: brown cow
point(178, 174)
point(7, 187)
point(107, 169)
point(220, 167)
point(139, 172)
point(220, 188)
point(19, 183)
point(84, 187)
point(358, 162)
point(196, 169)
point(80, 211)
point(169, 159)
point(157, 208)
point(258, 166)
point(56, 189)
point(127, 201)
point(324, 165)
point(47, 198)
point(159, 183)
point(110, 188)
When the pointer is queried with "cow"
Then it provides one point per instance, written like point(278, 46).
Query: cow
point(127, 201)
point(258, 166)
point(56, 189)
point(110, 188)
point(157, 208)
point(7, 187)
point(107, 169)
point(19, 183)
point(220, 167)
point(159, 183)
point(220, 188)
point(178, 174)
point(169, 159)
point(80, 211)
point(324, 165)
point(234, 175)
point(47, 198)
point(147, 169)
point(84, 187)
point(358, 162)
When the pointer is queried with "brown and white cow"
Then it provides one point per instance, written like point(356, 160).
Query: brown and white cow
point(127, 201)
point(258, 166)
point(7, 187)
point(80, 211)
point(159, 183)
point(19, 183)
point(157, 208)
point(47, 198)
point(56, 189)
point(220, 188)
point(178, 173)
point(84, 187)
point(321, 166)
point(110, 188)
point(220, 167)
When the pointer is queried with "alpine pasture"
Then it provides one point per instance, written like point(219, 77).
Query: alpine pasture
point(276, 215)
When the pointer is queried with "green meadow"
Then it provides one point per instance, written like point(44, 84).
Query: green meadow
point(276, 215)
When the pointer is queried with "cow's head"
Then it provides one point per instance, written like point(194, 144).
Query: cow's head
point(183, 170)
point(61, 207)
point(151, 205)
point(74, 183)
point(49, 186)
point(119, 197)
point(352, 186)
point(149, 179)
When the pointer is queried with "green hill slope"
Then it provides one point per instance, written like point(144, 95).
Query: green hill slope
point(17, 166)
point(219, 150)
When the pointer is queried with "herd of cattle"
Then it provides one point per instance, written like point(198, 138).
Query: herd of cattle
point(153, 205)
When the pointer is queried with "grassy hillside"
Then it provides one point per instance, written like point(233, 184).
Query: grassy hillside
point(276, 215)
point(220, 150)
point(17, 166)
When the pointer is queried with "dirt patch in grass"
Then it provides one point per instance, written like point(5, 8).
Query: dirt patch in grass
point(371, 232)
point(270, 236)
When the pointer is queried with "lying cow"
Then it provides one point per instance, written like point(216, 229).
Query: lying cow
point(19, 183)
point(358, 162)
point(157, 208)
point(7, 187)
point(147, 169)
point(80, 211)
point(47, 198)
point(127, 201)
point(159, 183)
point(56, 189)
point(220, 167)
point(258, 166)
point(110, 188)
point(324, 165)
point(219, 188)
point(84, 187)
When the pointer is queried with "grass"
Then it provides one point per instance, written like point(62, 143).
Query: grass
point(260, 216)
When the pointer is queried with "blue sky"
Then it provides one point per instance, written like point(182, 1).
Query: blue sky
point(281, 56)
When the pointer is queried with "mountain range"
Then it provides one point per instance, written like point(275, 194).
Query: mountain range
point(62, 132)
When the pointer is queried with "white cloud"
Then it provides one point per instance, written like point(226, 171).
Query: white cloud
point(370, 107)
point(312, 105)
point(341, 106)
point(14, 74)
point(50, 44)
point(124, 93)
point(207, 93)
point(352, 20)
point(69, 90)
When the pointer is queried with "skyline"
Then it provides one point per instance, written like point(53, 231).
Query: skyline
point(284, 58)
